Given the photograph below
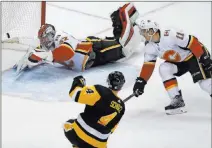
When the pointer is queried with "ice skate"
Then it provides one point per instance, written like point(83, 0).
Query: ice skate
point(177, 106)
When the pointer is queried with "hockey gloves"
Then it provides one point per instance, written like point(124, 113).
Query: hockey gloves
point(138, 88)
point(206, 62)
point(78, 81)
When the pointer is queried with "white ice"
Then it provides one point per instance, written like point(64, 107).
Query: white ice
point(31, 124)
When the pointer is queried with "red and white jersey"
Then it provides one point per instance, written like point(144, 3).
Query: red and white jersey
point(67, 51)
point(62, 37)
point(64, 43)
point(173, 47)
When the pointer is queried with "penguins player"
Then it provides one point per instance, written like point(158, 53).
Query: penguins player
point(103, 112)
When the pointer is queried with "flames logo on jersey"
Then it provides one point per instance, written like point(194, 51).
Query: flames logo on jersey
point(171, 55)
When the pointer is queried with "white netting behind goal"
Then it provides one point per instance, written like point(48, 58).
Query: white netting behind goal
point(21, 20)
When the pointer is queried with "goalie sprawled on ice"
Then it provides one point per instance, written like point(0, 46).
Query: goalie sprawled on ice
point(62, 48)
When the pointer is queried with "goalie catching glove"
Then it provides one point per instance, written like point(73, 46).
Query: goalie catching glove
point(33, 58)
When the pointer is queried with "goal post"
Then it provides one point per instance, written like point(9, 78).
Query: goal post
point(21, 21)
point(43, 12)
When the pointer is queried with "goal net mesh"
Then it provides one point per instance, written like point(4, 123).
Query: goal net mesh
point(21, 20)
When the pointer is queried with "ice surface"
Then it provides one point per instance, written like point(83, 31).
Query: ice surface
point(36, 124)
point(54, 81)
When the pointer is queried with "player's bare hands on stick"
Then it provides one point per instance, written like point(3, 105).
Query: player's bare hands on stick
point(138, 88)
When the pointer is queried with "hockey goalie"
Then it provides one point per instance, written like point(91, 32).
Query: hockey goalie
point(63, 48)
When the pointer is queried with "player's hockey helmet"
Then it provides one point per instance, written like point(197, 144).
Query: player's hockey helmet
point(145, 25)
point(115, 80)
point(46, 35)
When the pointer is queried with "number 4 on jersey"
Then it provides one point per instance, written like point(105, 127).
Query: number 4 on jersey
point(104, 120)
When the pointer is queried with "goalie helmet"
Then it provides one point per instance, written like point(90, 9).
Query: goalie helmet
point(115, 80)
point(46, 35)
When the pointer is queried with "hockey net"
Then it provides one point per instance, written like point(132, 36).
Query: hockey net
point(20, 23)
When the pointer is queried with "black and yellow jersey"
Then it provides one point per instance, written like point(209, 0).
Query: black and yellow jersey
point(102, 113)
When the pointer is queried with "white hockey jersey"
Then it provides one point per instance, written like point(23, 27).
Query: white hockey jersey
point(62, 37)
point(66, 50)
point(173, 47)
point(76, 62)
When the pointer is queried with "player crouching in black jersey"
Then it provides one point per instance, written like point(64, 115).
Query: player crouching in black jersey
point(103, 111)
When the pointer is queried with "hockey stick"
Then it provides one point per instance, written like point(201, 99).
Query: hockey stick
point(129, 97)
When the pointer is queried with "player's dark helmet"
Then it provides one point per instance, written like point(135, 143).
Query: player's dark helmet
point(115, 80)
point(46, 35)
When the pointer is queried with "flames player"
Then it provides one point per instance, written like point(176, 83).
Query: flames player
point(182, 53)
point(103, 112)
point(60, 47)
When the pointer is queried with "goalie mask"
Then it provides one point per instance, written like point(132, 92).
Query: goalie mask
point(115, 80)
point(46, 35)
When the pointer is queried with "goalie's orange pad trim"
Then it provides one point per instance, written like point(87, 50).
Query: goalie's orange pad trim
point(123, 18)
point(84, 47)
point(195, 47)
point(63, 53)
point(34, 57)
point(147, 70)
point(170, 84)
point(131, 10)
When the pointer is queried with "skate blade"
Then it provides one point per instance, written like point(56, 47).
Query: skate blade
point(180, 110)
